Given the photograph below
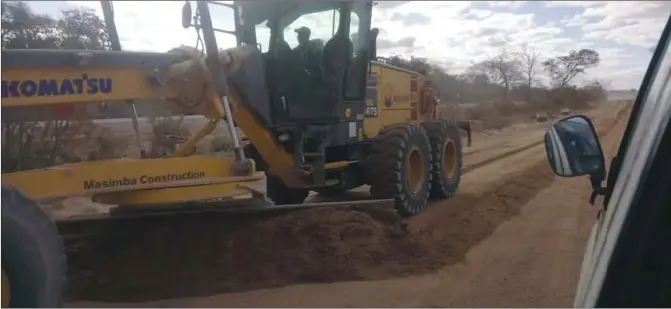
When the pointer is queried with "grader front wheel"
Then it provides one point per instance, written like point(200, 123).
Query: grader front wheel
point(400, 167)
point(33, 256)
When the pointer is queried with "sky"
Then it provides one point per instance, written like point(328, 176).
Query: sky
point(453, 34)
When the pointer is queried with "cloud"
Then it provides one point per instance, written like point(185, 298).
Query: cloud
point(506, 4)
point(411, 18)
point(635, 23)
point(389, 4)
point(406, 42)
point(555, 4)
point(454, 34)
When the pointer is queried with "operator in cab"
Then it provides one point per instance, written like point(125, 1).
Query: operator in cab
point(310, 51)
point(303, 36)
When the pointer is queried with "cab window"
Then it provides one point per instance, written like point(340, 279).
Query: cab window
point(316, 27)
point(319, 28)
point(262, 36)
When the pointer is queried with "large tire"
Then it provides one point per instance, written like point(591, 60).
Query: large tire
point(446, 158)
point(280, 194)
point(33, 255)
point(390, 175)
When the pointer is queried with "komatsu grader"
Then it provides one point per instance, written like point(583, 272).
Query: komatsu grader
point(326, 119)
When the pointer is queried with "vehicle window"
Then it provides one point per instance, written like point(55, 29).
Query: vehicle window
point(354, 34)
point(320, 27)
point(262, 36)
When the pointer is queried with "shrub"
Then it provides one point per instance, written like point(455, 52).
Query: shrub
point(36, 138)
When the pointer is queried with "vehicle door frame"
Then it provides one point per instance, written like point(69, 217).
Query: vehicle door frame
point(629, 214)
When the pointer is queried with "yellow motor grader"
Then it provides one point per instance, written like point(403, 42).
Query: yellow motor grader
point(329, 118)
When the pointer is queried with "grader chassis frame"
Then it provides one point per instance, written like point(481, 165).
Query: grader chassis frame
point(53, 77)
point(415, 154)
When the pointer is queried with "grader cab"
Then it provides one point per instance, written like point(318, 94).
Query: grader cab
point(319, 111)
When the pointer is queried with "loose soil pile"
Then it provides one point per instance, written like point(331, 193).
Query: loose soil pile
point(198, 255)
point(135, 260)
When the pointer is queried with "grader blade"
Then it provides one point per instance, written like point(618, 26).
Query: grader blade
point(253, 206)
point(379, 203)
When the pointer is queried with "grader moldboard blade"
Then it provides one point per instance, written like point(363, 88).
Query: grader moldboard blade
point(247, 206)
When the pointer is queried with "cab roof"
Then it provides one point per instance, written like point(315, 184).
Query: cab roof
point(258, 11)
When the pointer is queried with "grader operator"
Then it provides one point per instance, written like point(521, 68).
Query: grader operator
point(331, 122)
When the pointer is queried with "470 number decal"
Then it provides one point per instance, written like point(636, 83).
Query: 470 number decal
point(370, 111)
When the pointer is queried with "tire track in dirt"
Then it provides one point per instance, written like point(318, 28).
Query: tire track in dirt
point(534, 260)
point(205, 255)
point(515, 151)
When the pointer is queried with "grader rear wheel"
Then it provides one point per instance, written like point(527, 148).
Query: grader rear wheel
point(446, 158)
point(33, 256)
point(401, 168)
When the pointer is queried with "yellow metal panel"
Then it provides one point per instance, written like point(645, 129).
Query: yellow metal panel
point(190, 81)
point(121, 175)
point(394, 100)
point(178, 194)
point(335, 165)
point(395, 85)
point(45, 86)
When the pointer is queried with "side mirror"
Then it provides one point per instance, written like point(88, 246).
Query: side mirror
point(186, 15)
point(372, 41)
point(573, 149)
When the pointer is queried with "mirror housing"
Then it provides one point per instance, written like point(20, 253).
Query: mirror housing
point(372, 41)
point(186, 15)
point(573, 149)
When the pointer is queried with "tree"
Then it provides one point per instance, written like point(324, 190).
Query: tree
point(39, 137)
point(563, 69)
point(502, 69)
point(23, 29)
point(78, 28)
point(529, 59)
point(82, 29)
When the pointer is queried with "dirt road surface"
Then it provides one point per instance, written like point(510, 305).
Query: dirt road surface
point(513, 236)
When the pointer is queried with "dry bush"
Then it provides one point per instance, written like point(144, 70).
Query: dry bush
point(167, 133)
point(451, 112)
point(167, 128)
point(500, 113)
point(493, 115)
point(40, 138)
point(221, 143)
point(575, 98)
